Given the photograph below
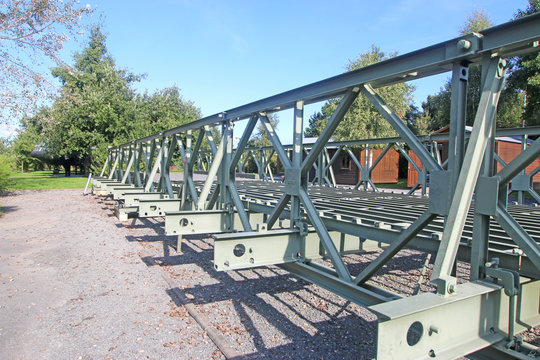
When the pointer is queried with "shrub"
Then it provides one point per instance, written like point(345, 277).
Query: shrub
point(6, 163)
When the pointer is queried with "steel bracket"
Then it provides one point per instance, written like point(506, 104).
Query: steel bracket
point(467, 45)
point(203, 222)
point(430, 326)
point(487, 195)
point(292, 181)
point(439, 197)
point(521, 183)
point(509, 278)
point(268, 247)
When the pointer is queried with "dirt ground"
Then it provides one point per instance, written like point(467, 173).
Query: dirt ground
point(75, 283)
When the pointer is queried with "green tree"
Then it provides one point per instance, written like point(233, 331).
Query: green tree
point(29, 134)
point(260, 137)
point(418, 121)
point(476, 22)
point(5, 146)
point(510, 103)
point(316, 123)
point(96, 105)
point(524, 78)
point(363, 121)
point(6, 163)
point(162, 110)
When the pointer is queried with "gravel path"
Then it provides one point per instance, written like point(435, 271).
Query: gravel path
point(78, 284)
point(72, 287)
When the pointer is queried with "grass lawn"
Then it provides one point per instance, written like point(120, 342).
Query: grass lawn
point(18, 174)
point(44, 180)
point(401, 184)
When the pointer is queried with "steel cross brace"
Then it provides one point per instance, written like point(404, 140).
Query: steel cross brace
point(232, 172)
point(421, 177)
point(106, 165)
point(213, 171)
point(365, 171)
point(151, 170)
point(138, 153)
point(131, 156)
point(112, 172)
point(189, 185)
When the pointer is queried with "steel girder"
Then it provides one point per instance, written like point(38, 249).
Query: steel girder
point(495, 301)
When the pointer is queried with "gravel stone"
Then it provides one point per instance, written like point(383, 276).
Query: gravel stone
point(72, 287)
point(75, 283)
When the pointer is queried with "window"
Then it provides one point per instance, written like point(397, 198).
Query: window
point(346, 162)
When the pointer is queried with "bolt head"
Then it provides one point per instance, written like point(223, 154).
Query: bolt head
point(464, 44)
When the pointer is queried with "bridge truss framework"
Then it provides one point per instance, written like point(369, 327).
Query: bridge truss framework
point(294, 223)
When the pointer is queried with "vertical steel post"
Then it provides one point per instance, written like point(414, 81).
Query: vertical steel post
point(137, 164)
point(366, 164)
point(458, 114)
point(296, 163)
point(260, 165)
point(148, 161)
point(459, 207)
point(481, 222)
point(524, 171)
point(121, 164)
point(235, 197)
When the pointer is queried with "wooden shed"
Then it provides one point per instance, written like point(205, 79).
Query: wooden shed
point(347, 173)
point(506, 147)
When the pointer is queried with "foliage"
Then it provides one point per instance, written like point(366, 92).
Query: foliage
point(420, 122)
point(5, 146)
point(162, 110)
point(509, 110)
point(32, 32)
point(99, 107)
point(96, 103)
point(525, 75)
point(28, 136)
point(6, 164)
point(261, 138)
point(316, 123)
point(363, 121)
point(476, 22)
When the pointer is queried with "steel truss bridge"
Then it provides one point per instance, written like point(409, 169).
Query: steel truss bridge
point(309, 229)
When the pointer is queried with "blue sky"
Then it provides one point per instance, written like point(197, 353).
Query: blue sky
point(223, 54)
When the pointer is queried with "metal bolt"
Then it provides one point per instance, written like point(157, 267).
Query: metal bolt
point(502, 66)
point(464, 44)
